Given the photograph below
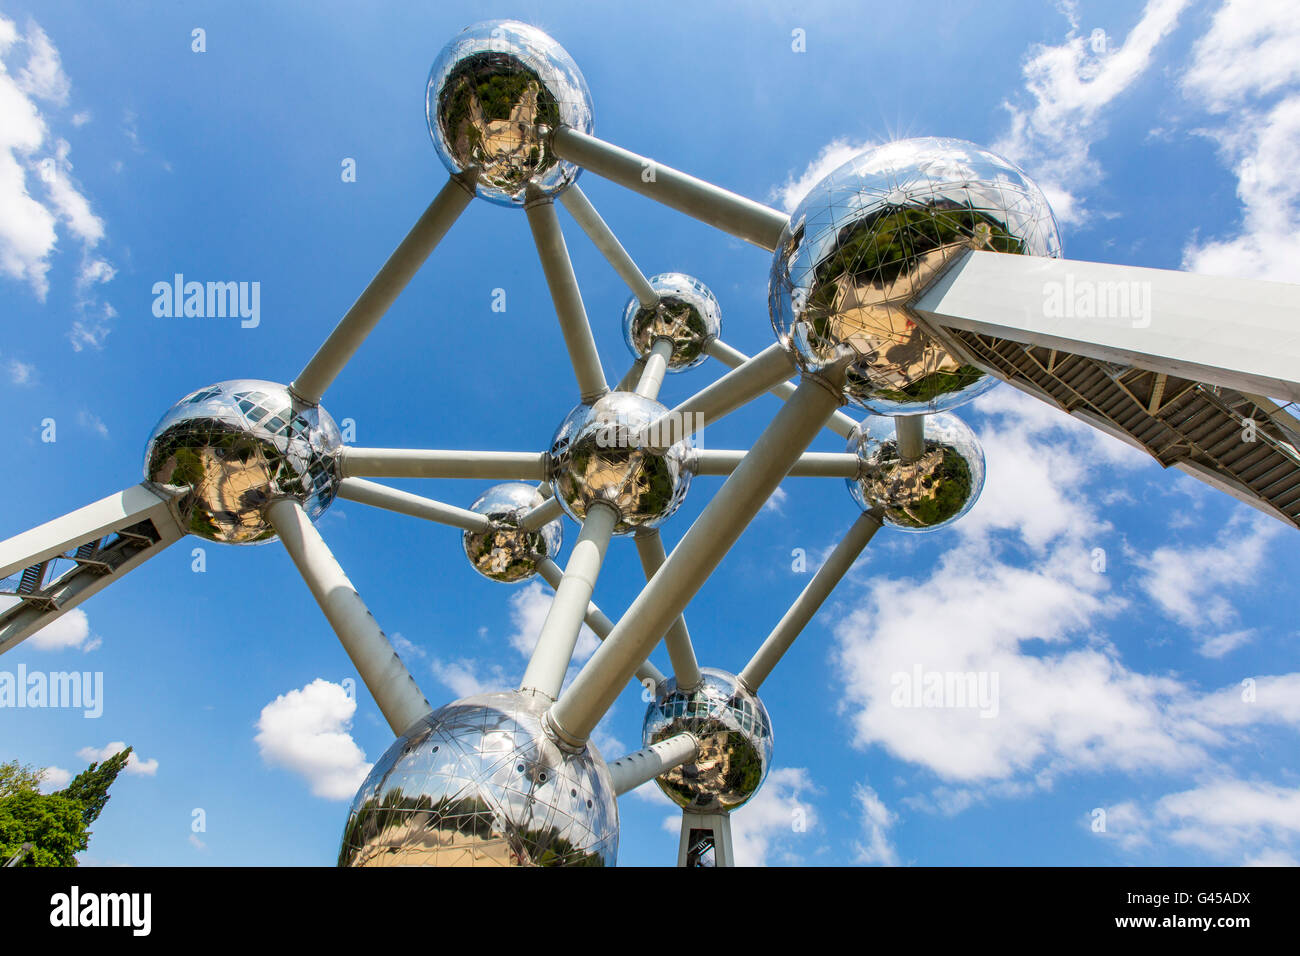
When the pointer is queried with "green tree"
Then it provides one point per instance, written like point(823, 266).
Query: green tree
point(51, 823)
point(90, 787)
point(16, 777)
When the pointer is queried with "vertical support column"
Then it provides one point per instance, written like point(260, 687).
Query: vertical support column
point(706, 840)
point(381, 670)
point(656, 364)
point(910, 430)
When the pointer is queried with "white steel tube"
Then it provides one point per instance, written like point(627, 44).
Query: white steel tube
point(656, 364)
point(809, 601)
point(728, 393)
point(403, 502)
point(573, 717)
point(650, 549)
point(429, 463)
point(542, 515)
point(554, 650)
point(839, 423)
point(910, 430)
point(599, 622)
point(382, 291)
point(644, 765)
point(811, 464)
point(585, 215)
point(711, 204)
point(381, 670)
point(569, 309)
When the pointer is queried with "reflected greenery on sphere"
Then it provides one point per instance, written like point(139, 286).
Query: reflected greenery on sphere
point(480, 783)
point(924, 494)
point(229, 450)
point(687, 314)
point(506, 552)
point(869, 237)
point(596, 456)
point(495, 94)
point(735, 737)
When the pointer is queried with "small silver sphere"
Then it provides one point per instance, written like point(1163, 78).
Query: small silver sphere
point(506, 552)
point(480, 783)
point(687, 314)
point(595, 456)
point(495, 94)
point(231, 449)
point(922, 495)
point(735, 736)
point(869, 237)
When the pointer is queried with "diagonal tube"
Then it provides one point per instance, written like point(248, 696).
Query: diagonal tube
point(545, 672)
point(808, 602)
point(567, 298)
point(542, 515)
point(711, 204)
point(381, 670)
point(585, 215)
point(652, 373)
point(382, 291)
point(393, 499)
point(650, 549)
point(430, 463)
point(642, 766)
point(573, 717)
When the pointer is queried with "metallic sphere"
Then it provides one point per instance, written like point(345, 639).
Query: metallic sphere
point(231, 449)
point(735, 738)
point(922, 495)
point(596, 456)
point(495, 94)
point(480, 783)
point(869, 237)
point(506, 552)
point(687, 314)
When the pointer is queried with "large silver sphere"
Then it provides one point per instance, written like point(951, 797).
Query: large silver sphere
point(595, 456)
point(233, 448)
point(687, 314)
point(735, 738)
point(506, 552)
point(922, 495)
point(495, 94)
point(873, 234)
point(479, 783)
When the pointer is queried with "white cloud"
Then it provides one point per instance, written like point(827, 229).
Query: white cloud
point(528, 609)
point(833, 155)
point(43, 76)
point(1222, 644)
point(877, 819)
point(1232, 818)
point(776, 500)
point(306, 731)
point(1072, 85)
point(69, 630)
point(91, 421)
point(464, 677)
point(54, 778)
point(20, 373)
point(135, 764)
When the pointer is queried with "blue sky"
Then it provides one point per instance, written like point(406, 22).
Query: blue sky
point(1166, 140)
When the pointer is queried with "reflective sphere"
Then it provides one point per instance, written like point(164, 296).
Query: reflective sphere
point(687, 314)
point(595, 456)
point(479, 783)
point(922, 495)
point(231, 449)
point(495, 93)
point(735, 738)
point(872, 235)
point(506, 552)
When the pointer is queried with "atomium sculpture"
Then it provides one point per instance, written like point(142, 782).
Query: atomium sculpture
point(907, 282)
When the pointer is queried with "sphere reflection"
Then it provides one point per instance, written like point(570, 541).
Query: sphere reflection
point(596, 456)
point(735, 736)
point(687, 314)
point(231, 449)
point(480, 783)
point(871, 236)
point(924, 494)
point(494, 95)
point(506, 552)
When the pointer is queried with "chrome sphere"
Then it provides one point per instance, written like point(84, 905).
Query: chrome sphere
point(495, 94)
point(595, 456)
point(506, 552)
point(687, 314)
point(922, 495)
point(231, 449)
point(869, 237)
point(480, 783)
point(735, 738)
